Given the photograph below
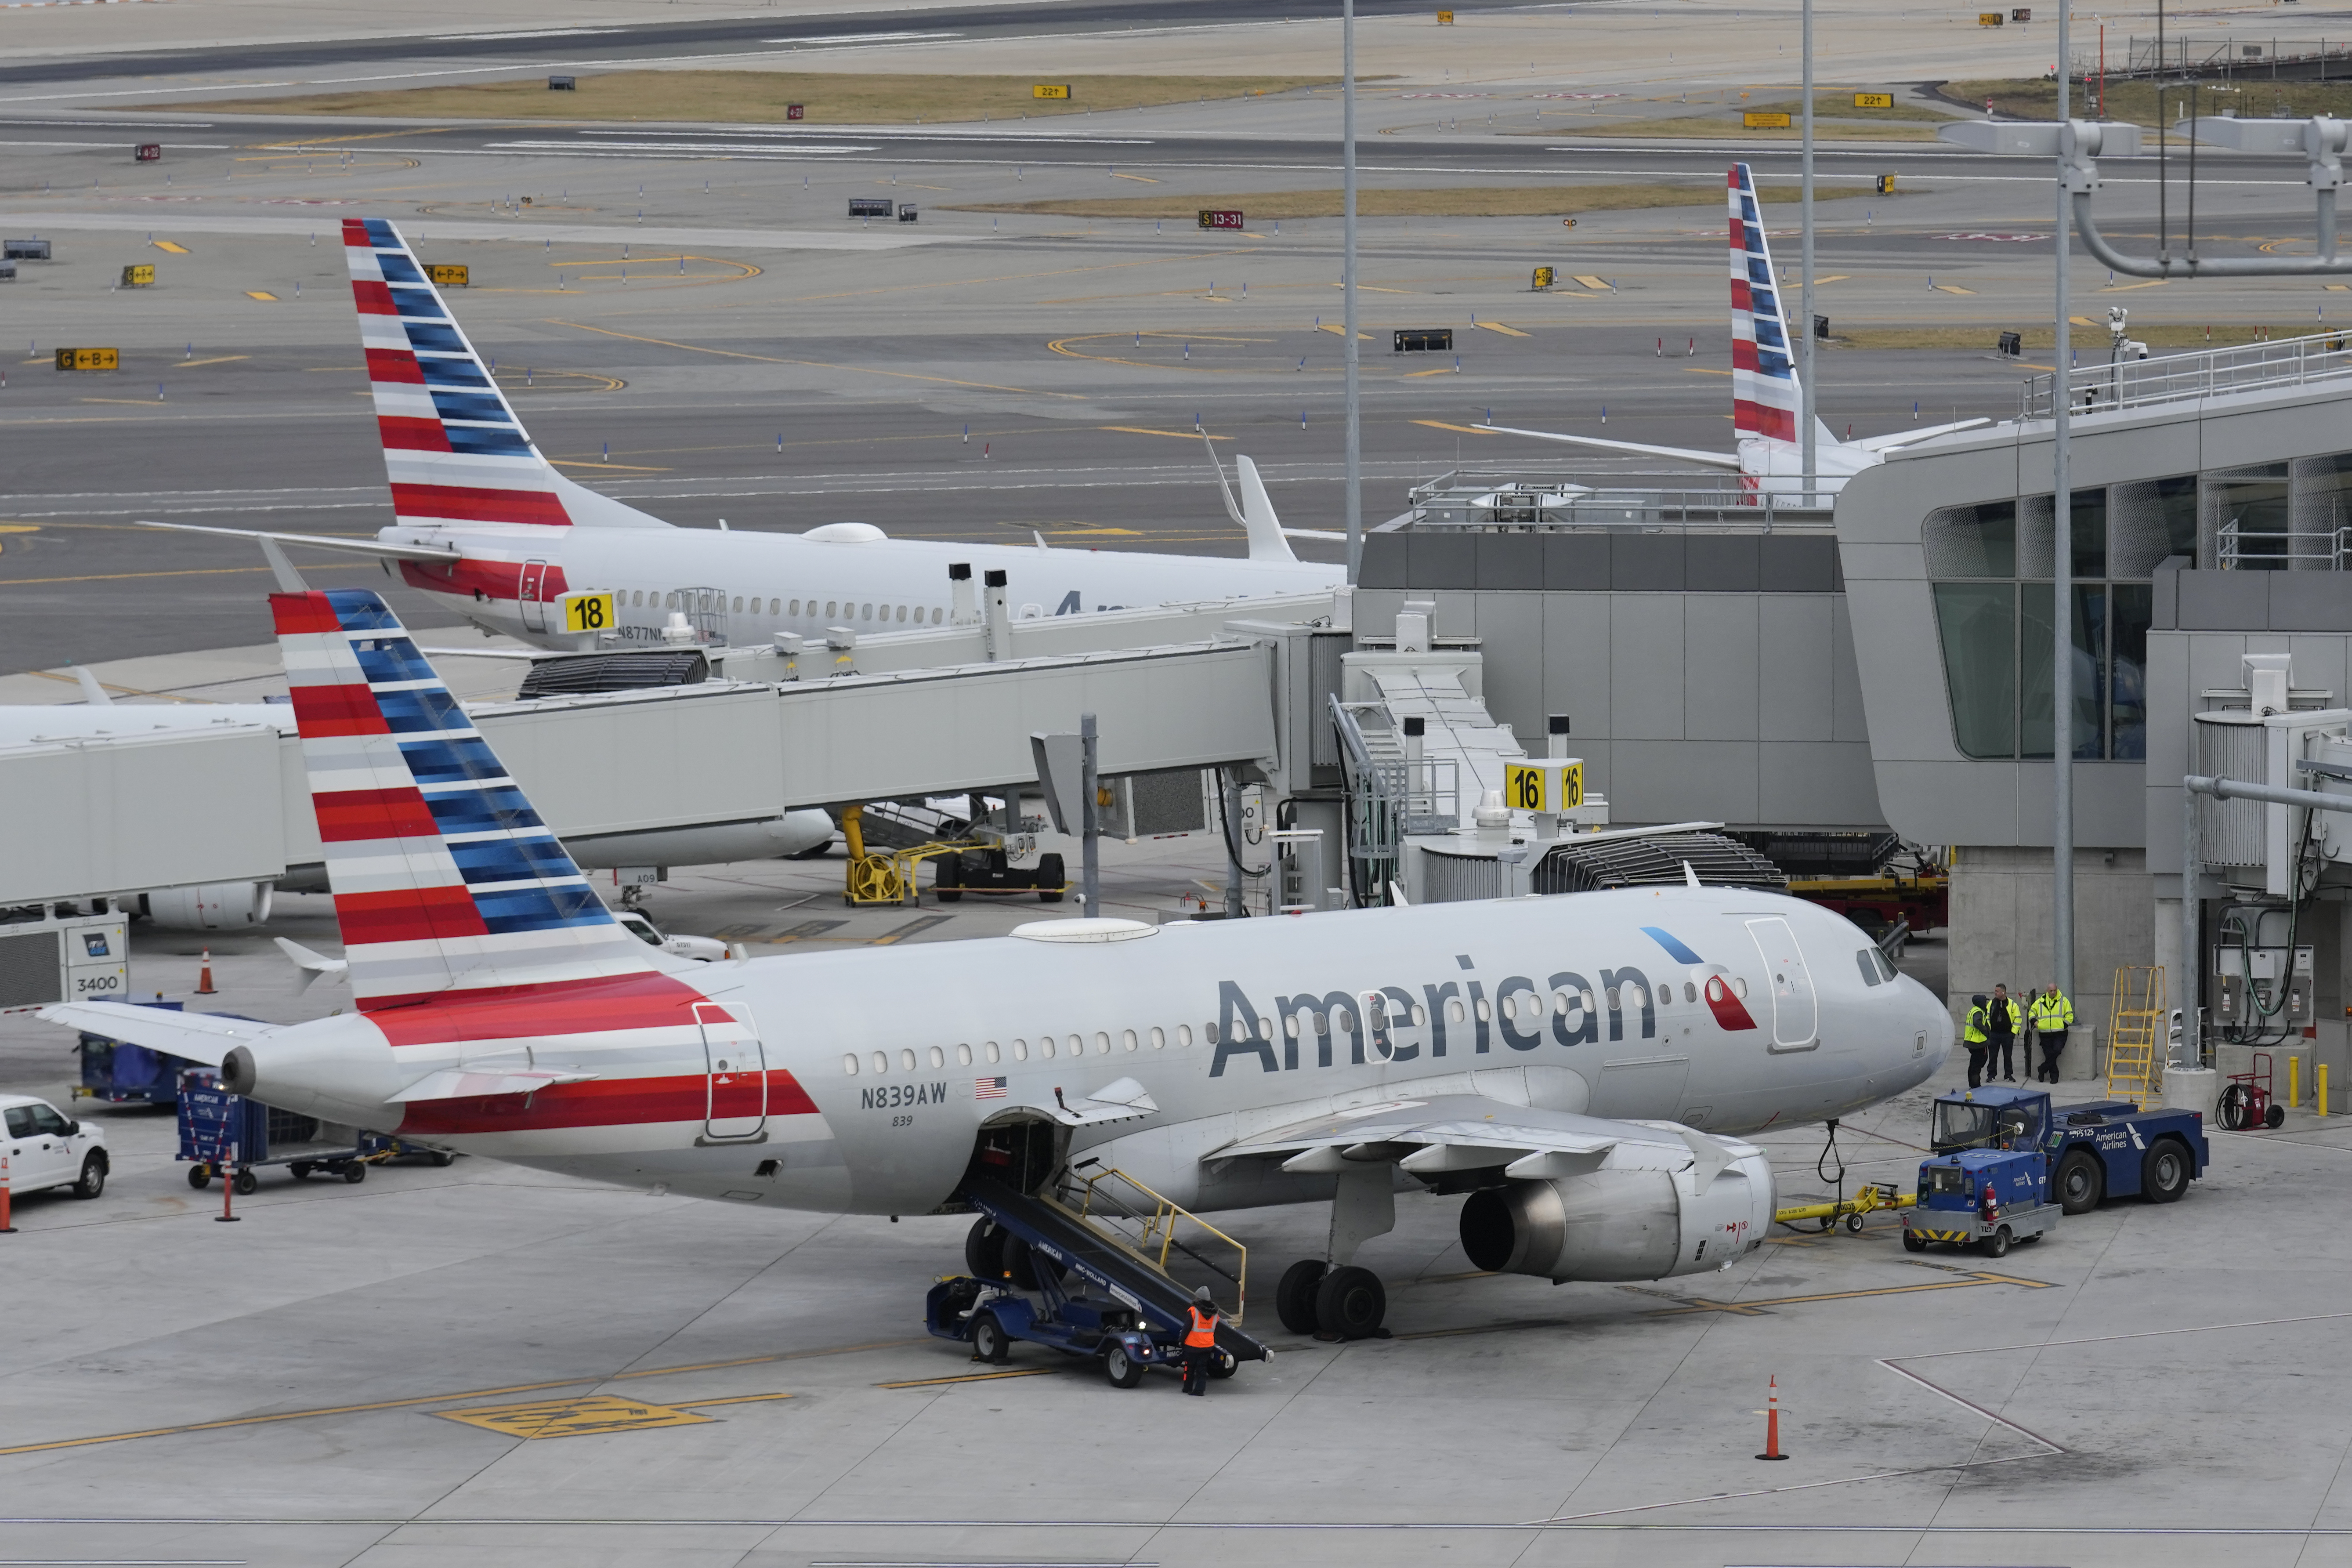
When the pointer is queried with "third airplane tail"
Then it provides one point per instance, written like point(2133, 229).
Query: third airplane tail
point(455, 452)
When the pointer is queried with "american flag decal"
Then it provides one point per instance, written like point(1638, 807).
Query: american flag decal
point(988, 1089)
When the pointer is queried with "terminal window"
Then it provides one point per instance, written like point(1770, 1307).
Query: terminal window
point(1992, 566)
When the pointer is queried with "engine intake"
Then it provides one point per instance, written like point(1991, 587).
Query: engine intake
point(1614, 1224)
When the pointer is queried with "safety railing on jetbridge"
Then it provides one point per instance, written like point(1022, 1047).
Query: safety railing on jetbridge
point(1131, 1215)
point(2237, 548)
point(2192, 377)
point(1529, 497)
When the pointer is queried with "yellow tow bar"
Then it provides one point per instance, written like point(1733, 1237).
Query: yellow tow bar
point(1867, 1200)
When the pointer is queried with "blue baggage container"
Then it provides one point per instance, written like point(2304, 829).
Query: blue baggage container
point(121, 1073)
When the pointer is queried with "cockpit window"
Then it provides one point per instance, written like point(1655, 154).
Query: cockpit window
point(1867, 960)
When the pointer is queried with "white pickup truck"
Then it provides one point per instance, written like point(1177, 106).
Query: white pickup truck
point(48, 1149)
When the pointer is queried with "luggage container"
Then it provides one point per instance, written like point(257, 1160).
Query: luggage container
point(224, 1134)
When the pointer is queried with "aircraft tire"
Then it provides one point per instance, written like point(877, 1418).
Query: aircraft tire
point(1349, 1303)
point(983, 1251)
point(1293, 1299)
point(990, 1343)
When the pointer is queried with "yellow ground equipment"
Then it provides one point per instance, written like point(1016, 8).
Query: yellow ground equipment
point(878, 878)
point(2135, 1020)
point(1868, 1200)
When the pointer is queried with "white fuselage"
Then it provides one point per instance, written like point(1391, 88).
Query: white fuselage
point(791, 582)
point(880, 1064)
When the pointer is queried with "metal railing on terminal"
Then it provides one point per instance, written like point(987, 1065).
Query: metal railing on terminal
point(1529, 497)
point(2237, 548)
point(2191, 377)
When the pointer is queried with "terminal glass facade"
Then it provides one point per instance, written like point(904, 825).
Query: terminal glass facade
point(1992, 567)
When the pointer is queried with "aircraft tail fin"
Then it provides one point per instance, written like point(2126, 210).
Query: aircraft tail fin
point(445, 879)
point(1764, 395)
point(453, 447)
point(1268, 541)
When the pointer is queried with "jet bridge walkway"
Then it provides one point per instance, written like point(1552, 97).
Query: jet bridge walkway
point(1092, 1249)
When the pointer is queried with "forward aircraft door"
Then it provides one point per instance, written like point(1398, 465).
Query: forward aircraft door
point(534, 594)
point(1796, 1011)
point(736, 1068)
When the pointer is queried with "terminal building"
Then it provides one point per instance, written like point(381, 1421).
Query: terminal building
point(1728, 668)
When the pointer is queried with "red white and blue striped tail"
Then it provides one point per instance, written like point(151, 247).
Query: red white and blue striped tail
point(1764, 399)
point(456, 455)
point(445, 881)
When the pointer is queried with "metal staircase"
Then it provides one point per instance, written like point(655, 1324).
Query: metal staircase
point(2135, 1027)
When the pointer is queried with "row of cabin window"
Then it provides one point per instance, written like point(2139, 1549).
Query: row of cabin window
point(1519, 1007)
point(640, 598)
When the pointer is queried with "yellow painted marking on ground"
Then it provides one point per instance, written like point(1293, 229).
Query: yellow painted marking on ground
point(1498, 327)
point(1952, 288)
point(315, 368)
point(220, 359)
point(134, 402)
point(972, 1377)
point(370, 136)
point(732, 1399)
point(616, 468)
point(1368, 289)
point(821, 365)
point(1462, 429)
point(2127, 287)
point(1702, 370)
point(259, 294)
point(1094, 532)
point(1441, 370)
point(1832, 277)
point(1180, 434)
point(1145, 178)
point(2082, 321)
point(2053, 369)
point(587, 1415)
point(172, 246)
point(1587, 281)
point(1340, 330)
point(2336, 287)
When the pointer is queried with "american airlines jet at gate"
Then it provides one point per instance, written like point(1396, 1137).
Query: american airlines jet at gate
point(1766, 403)
point(1554, 1058)
point(484, 521)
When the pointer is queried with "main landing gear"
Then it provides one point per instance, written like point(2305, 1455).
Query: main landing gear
point(1337, 1299)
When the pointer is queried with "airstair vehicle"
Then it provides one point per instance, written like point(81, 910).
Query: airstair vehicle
point(1091, 1263)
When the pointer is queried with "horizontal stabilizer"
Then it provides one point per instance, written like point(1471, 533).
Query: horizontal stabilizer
point(1332, 534)
point(203, 1037)
point(1680, 454)
point(457, 1083)
point(314, 966)
point(1901, 438)
point(347, 546)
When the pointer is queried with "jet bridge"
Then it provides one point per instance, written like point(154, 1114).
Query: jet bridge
point(933, 713)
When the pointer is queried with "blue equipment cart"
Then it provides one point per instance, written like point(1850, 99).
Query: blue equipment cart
point(121, 1073)
point(224, 1132)
point(1984, 1198)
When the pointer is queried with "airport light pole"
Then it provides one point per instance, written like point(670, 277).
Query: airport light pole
point(2061, 585)
point(1806, 395)
point(1355, 496)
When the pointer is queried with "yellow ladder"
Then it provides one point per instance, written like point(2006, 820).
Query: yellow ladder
point(2134, 1021)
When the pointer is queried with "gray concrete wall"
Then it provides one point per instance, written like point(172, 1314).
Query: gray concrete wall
point(1739, 707)
point(1999, 931)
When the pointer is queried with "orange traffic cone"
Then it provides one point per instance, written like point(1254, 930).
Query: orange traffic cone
point(7, 1226)
point(205, 977)
point(1772, 1424)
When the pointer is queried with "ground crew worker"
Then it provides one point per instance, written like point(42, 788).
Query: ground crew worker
point(2000, 1036)
point(2054, 1015)
point(1200, 1341)
point(1974, 1038)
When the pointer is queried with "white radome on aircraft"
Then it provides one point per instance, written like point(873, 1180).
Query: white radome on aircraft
point(1766, 403)
point(1581, 1067)
point(486, 525)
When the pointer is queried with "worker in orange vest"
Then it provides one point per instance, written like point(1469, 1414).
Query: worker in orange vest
point(1200, 1341)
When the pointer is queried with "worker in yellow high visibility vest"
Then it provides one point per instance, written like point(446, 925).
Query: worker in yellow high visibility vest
point(1974, 1038)
point(2051, 1015)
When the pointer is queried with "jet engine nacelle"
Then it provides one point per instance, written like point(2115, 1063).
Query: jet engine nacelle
point(1620, 1224)
point(214, 906)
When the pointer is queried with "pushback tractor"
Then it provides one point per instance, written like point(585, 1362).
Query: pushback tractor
point(2037, 1156)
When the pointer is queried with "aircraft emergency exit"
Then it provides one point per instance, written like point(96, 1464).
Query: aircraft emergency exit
point(1577, 1067)
point(487, 524)
point(1766, 402)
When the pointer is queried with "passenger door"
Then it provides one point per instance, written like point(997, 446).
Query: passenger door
point(736, 1069)
point(534, 594)
point(1796, 1011)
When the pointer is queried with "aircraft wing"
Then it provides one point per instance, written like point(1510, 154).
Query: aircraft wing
point(204, 1038)
point(348, 546)
point(1468, 1131)
point(1680, 454)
